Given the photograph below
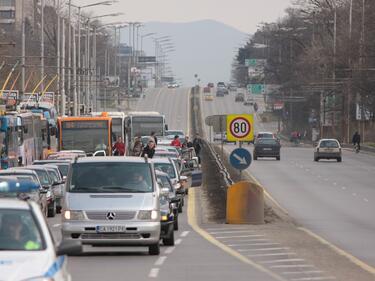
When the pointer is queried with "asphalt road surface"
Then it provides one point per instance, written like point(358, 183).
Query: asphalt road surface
point(192, 258)
point(334, 200)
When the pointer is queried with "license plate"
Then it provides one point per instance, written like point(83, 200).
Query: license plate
point(110, 229)
point(267, 148)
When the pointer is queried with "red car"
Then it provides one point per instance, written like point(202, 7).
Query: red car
point(206, 90)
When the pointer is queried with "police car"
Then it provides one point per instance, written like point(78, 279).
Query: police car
point(27, 249)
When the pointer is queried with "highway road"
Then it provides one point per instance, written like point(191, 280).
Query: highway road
point(334, 200)
point(192, 258)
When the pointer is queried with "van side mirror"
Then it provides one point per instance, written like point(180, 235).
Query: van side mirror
point(100, 153)
point(69, 247)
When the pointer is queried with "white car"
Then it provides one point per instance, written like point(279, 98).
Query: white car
point(27, 250)
point(328, 149)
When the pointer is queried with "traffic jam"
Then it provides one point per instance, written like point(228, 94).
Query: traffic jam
point(114, 179)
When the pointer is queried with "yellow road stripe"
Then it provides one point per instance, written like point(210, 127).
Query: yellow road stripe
point(192, 219)
point(339, 251)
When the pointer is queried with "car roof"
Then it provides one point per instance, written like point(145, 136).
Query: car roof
point(329, 140)
point(6, 203)
point(56, 161)
point(33, 167)
point(127, 159)
point(160, 160)
point(18, 171)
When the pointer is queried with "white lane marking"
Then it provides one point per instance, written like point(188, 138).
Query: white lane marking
point(302, 272)
point(160, 261)
point(229, 232)
point(292, 266)
point(282, 261)
point(264, 249)
point(178, 242)
point(260, 244)
point(365, 199)
point(319, 176)
point(335, 183)
point(272, 255)
point(169, 250)
point(354, 194)
point(154, 272)
point(57, 225)
point(240, 236)
point(343, 188)
point(224, 229)
point(314, 278)
point(326, 179)
point(184, 234)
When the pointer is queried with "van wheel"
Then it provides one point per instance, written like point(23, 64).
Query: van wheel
point(255, 157)
point(316, 159)
point(51, 210)
point(339, 159)
point(278, 158)
point(154, 250)
point(180, 207)
point(186, 191)
point(170, 240)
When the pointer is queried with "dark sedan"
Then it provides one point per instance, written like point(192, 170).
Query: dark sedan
point(266, 147)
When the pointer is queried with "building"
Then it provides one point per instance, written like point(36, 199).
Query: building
point(11, 13)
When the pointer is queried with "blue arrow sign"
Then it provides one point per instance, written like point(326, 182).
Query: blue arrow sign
point(240, 159)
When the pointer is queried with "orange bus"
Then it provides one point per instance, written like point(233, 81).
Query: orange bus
point(89, 134)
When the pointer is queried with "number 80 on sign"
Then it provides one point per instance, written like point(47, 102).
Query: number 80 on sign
point(240, 127)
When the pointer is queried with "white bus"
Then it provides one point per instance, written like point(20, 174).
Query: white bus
point(118, 123)
point(142, 123)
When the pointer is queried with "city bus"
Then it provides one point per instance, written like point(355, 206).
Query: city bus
point(142, 123)
point(8, 141)
point(118, 123)
point(86, 133)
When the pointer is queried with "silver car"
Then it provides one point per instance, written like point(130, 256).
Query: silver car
point(112, 201)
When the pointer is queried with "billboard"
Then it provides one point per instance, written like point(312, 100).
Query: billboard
point(146, 59)
point(10, 97)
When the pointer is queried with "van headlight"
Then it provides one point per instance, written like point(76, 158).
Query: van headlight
point(73, 215)
point(148, 215)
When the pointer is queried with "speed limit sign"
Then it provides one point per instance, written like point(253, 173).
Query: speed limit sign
point(240, 127)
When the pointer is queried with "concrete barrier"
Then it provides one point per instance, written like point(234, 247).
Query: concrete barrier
point(245, 203)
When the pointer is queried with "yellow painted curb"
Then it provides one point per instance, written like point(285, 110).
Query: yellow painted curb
point(192, 219)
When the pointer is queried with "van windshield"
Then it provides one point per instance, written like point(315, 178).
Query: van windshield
point(111, 177)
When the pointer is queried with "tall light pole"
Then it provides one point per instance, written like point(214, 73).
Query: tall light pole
point(42, 45)
point(144, 36)
point(23, 59)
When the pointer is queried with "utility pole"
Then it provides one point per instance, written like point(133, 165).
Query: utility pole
point(115, 45)
point(42, 46)
point(87, 64)
point(63, 68)
point(79, 61)
point(94, 70)
point(23, 60)
point(69, 55)
point(58, 56)
point(74, 82)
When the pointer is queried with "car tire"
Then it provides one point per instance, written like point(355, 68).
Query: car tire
point(316, 159)
point(154, 250)
point(170, 240)
point(180, 207)
point(175, 222)
point(58, 209)
point(339, 159)
point(187, 191)
point(255, 157)
point(278, 158)
point(51, 210)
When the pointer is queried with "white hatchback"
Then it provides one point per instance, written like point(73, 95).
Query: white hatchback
point(328, 149)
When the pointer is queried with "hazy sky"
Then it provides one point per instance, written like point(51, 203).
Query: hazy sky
point(242, 14)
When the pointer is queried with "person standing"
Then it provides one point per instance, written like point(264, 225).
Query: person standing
point(197, 144)
point(137, 147)
point(356, 140)
point(149, 150)
point(188, 142)
point(176, 141)
point(153, 135)
point(119, 147)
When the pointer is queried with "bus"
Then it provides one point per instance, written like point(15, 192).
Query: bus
point(142, 123)
point(86, 133)
point(118, 123)
point(8, 141)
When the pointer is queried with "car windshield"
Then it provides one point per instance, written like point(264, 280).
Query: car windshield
point(111, 177)
point(64, 169)
point(166, 182)
point(266, 141)
point(53, 175)
point(19, 231)
point(167, 168)
point(43, 177)
point(329, 144)
point(265, 135)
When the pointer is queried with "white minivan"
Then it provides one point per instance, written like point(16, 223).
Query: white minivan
point(112, 201)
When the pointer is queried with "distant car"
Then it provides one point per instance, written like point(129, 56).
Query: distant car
point(249, 101)
point(208, 97)
point(172, 85)
point(240, 97)
point(220, 84)
point(232, 87)
point(211, 85)
point(207, 90)
point(220, 92)
point(266, 147)
point(328, 149)
point(222, 137)
point(265, 135)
